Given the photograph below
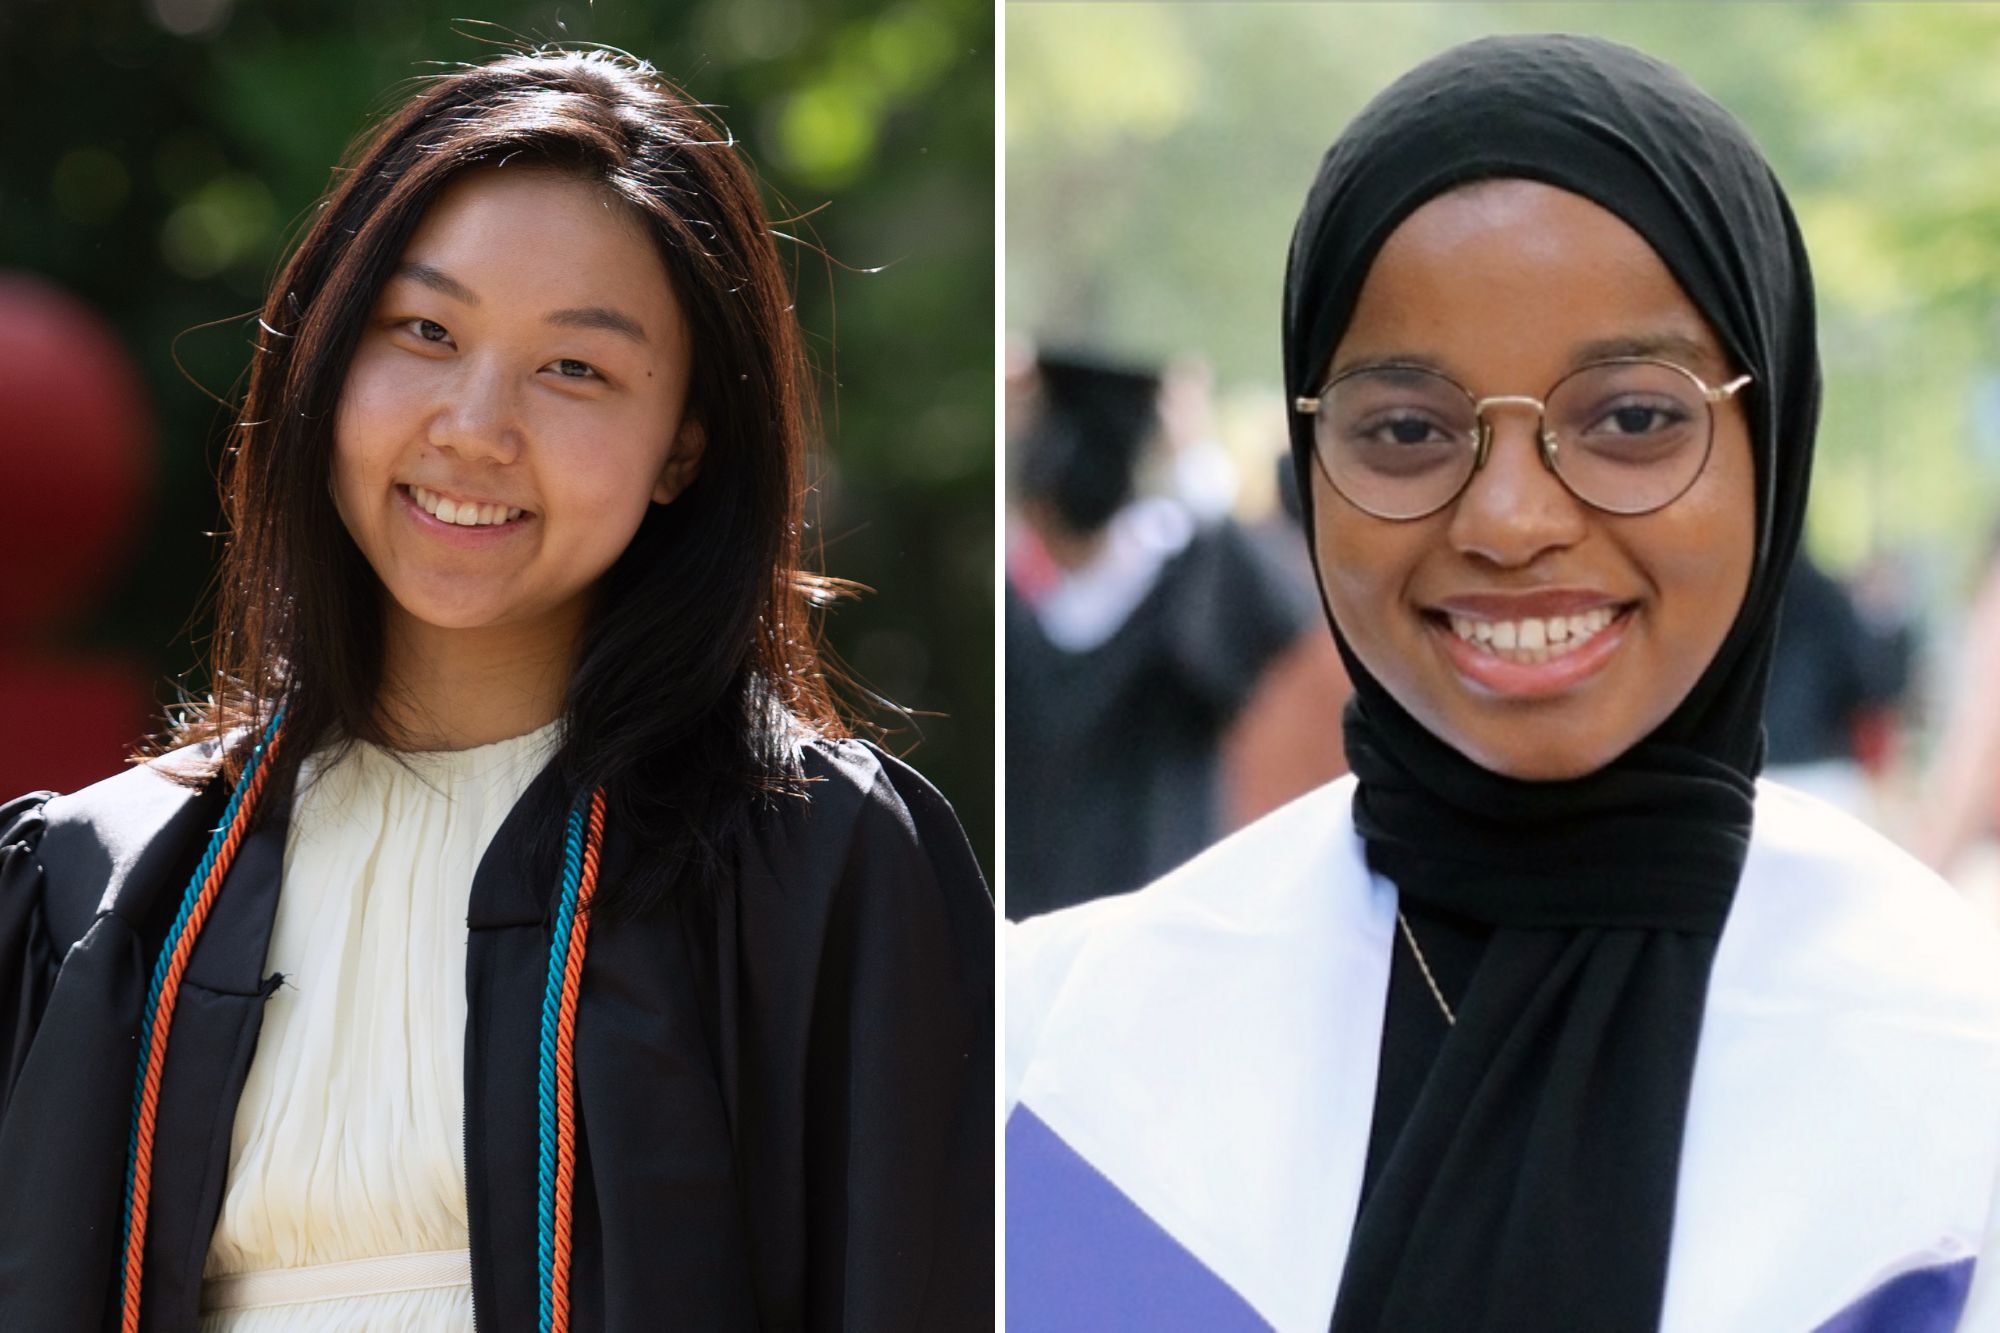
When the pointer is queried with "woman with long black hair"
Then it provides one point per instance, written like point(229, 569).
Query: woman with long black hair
point(512, 937)
point(1550, 1018)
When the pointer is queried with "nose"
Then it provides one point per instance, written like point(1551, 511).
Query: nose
point(1515, 510)
point(477, 416)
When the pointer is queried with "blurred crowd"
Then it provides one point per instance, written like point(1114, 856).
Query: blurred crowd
point(1168, 676)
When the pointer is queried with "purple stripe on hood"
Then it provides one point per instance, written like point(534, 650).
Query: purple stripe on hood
point(1083, 1258)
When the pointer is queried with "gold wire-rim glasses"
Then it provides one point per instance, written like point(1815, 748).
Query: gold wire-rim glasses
point(1480, 437)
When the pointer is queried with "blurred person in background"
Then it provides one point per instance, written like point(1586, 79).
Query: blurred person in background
point(1960, 812)
point(515, 927)
point(1553, 1017)
point(1287, 740)
point(1137, 626)
point(1836, 677)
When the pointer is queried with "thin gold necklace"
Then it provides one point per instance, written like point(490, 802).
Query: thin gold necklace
point(1423, 965)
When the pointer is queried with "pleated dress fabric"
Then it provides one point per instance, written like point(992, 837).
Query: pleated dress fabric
point(347, 1145)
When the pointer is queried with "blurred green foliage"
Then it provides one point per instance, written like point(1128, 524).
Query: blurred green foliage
point(1157, 156)
point(156, 158)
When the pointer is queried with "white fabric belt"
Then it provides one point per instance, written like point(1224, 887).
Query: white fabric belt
point(326, 1282)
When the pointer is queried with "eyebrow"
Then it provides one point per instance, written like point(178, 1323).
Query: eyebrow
point(1672, 346)
point(571, 317)
point(1666, 344)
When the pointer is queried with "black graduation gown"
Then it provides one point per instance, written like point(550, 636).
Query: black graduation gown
point(1113, 753)
point(784, 1088)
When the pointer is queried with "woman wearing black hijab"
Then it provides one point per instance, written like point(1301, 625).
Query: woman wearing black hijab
point(1550, 1018)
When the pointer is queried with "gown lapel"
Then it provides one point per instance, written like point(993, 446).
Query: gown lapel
point(216, 1022)
point(654, 1143)
point(117, 856)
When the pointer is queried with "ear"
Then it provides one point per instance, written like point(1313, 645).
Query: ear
point(683, 462)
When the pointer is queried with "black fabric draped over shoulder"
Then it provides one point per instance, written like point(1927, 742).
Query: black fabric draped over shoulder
point(1531, 1185)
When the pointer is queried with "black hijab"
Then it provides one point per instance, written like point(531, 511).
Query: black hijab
point(1531, 1186)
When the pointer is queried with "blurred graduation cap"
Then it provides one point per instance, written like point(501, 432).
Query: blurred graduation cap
point(1082, 452)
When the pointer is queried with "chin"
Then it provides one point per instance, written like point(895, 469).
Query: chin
point(448, 614)
point(1539, 766)
point(1543, 754)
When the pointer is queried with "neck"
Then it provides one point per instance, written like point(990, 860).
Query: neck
point(452, 689)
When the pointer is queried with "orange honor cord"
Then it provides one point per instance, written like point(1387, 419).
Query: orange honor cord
point(582, 851)
point(558, 1071)
point(566, 1070)
point(158, 1018)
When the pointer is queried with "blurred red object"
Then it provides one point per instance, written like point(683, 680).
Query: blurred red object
point(1875, 740)
point(76, 450)
point(73, 721)
point(76, 453)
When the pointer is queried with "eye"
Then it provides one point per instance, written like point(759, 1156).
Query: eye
point(423, 330)
point(570, 368)
point(1407, 427)
point(1410, 430)
point(1640, 418)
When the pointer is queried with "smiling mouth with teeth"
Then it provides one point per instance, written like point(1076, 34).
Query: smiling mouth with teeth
point(466, 515)
point(1537, 639)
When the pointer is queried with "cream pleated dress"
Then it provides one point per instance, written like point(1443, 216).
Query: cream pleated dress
point(345, 1205)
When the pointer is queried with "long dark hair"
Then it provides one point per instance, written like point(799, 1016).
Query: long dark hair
point(698, 672)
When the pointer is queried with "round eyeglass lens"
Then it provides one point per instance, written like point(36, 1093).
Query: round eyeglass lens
point(1396, 441)
point(1629, 436)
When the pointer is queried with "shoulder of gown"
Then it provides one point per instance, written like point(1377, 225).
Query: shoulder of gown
point(1271, 888)
point(1829, 907)
point(61, 861)
point(1189, 1070)
point(872, 863)
point(866, 826)
point(27, 956)
point(116, 832)
point(865, 949)
point(64, 860)
point(22, 821)
point(1845, 1084)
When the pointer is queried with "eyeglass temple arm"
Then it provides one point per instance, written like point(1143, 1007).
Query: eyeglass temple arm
point(1728, 390)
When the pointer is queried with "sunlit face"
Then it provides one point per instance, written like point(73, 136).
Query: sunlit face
point(516, 401)
point(1506, 286)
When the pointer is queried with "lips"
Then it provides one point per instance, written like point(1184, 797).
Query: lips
point(1534, 638)
point(464, 511)
point(466, 522)
point(1532, 645)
